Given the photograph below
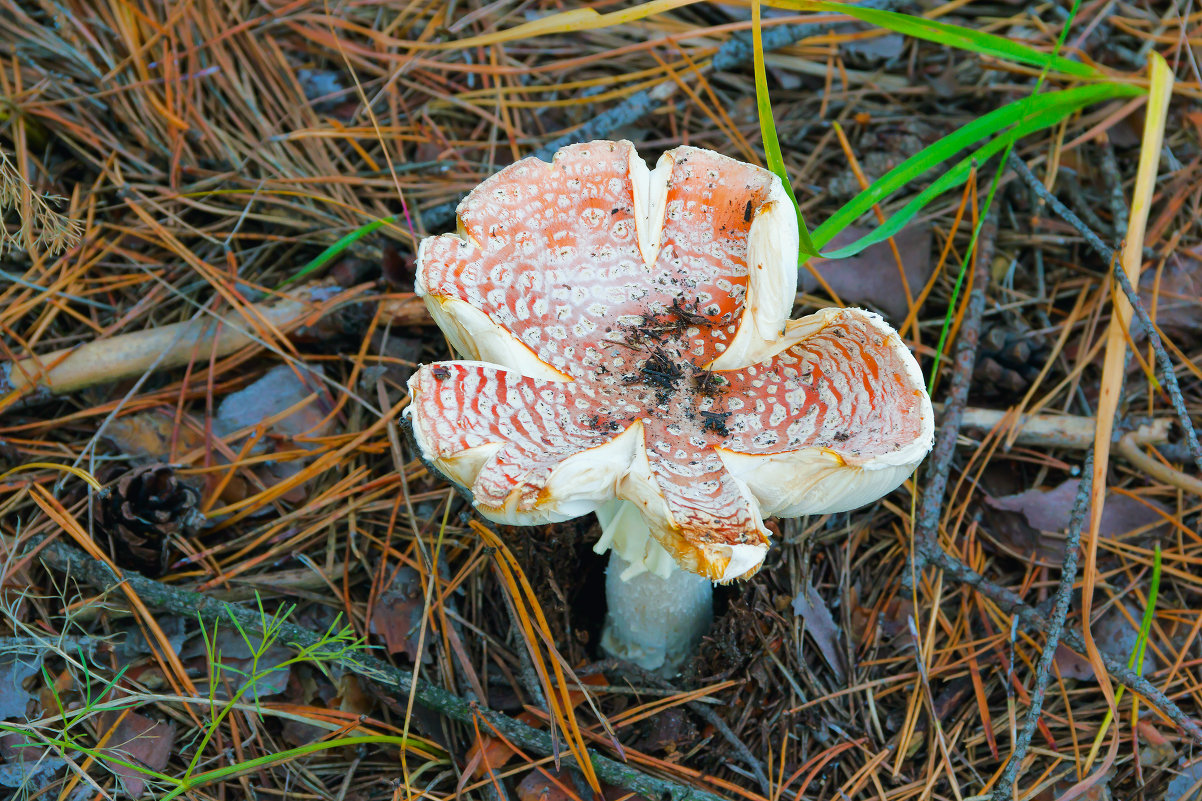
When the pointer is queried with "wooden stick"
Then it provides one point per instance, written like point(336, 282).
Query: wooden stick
point(1057, 430)
point(170, 346)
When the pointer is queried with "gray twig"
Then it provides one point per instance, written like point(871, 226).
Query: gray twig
point(940, 462)
point(1011, 603)
point(1064, 593)
point(191, 604)
point(1141, 313)
point(734, 52)
point(1118, 203)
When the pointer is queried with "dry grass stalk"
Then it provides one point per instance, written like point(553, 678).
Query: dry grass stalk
point(38, 223)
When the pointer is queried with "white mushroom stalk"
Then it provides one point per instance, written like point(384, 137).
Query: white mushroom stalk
point(632, 355)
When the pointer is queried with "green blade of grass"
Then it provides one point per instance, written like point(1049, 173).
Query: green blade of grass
point(1136, 660)
point(334, 250)
point(772, 151)
point(1039, 112)
point(961, 38)
point(971, 252)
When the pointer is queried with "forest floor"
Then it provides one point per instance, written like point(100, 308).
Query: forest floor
point(178, 168)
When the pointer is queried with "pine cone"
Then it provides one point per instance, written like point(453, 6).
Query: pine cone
point(1008, 360)
point(144, 509)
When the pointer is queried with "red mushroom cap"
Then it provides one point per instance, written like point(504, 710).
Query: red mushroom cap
point(631, 340)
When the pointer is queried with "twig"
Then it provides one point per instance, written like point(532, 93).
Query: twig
point(1141, 313)
point(1129, 447)
point(190, 604)
point(1008, 602)
point(1064, 592)
point(701, 710)
point(1118, 203)
point(166, 347)
point(1071, 432)
point(734, 52)
point(940, 462)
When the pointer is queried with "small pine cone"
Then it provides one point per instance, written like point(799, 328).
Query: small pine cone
point(1008, 360)
point(144, 509)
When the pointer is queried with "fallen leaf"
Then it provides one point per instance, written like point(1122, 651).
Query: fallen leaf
point(15, 668)
point(1046, 513)
point(895, 617)
point(547, 786)
point(1178, 299)
point(26, 764)
point(279, 389)
point(146, 437)
point(871, 277)
point(323, 88)
point(396, 358)
point(669, 733)
point(397, 614)
point(352, 697)
point(875, 48)
point(1071, 664)
point(1157, 750)
point(820, 625)
point(31, 772)
point(1187, 784)
point(239, 665)
point(489, 753)
point(261, 404)
point(139, 740)
point(130, 642)
point(1116, 636)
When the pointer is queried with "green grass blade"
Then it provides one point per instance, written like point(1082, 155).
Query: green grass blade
point(1136, 660)
point(1145, 625)
point(208, 777)
point(772, 151)
point(336, 249)
point(997, 179)
point(1042, 111)
point(961, 38)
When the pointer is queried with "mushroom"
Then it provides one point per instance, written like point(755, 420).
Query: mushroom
point(628, 351)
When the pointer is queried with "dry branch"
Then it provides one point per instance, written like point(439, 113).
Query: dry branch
point(170, 346)
point(1057, 430)
point(189, 605)
point(940, 461)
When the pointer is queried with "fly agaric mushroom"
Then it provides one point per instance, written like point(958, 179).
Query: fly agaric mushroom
point(632, 355)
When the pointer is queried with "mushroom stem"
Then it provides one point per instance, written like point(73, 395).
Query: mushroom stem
point(655, 622)
point(657, 612)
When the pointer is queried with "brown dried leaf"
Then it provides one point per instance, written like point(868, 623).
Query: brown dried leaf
point(871, 277)
point(139, 740)
point(1046, 512)
point(1187, 784)
point(877, 48)
point(397, 614)
point(25, 763)
point(146, 436)
point(239, 665)
point(821, 627)
point(490, 753)
point(1072, 665)
point(1116, 635)
point(1178, 298)
point(670, 732)
point(538, 786)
